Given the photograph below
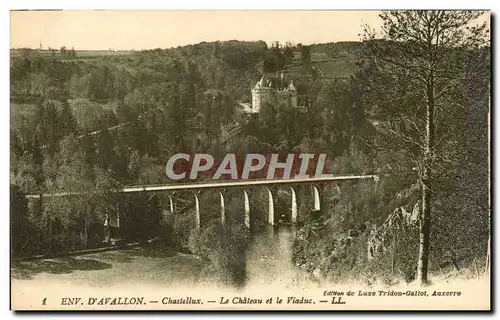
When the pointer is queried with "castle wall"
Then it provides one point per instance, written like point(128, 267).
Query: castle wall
point(287, 98)
point(255, 101)
point(293, 100)
point(260, 97)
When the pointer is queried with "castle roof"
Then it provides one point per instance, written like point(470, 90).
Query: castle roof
point(264, 82)
point(261, 83)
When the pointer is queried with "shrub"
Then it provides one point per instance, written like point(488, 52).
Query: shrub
point(225, 249)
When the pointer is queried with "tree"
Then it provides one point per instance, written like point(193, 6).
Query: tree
point(94, 188)
point(288, 52)
point(335, 106)
point(421, 51)
point(52, 126)
point(274, 60)
point(67, 120)
point(176, 118)
point(305, 53)
point(89, 155)
point(90, 115)
point(18, 226)
point(105, 152)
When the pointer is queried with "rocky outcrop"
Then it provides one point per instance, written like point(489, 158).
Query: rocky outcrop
point(380, 238)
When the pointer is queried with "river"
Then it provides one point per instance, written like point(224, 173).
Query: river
point(269, 260)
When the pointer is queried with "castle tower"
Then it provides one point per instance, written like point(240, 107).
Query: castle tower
point(261, 93)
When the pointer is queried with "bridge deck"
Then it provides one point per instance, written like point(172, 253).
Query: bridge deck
point(220, 184)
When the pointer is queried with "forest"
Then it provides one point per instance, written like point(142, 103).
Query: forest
point(79, 124)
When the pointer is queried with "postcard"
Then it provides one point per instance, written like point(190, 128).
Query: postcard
point(250, 160)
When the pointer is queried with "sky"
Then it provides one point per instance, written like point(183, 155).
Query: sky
point(149, 29)
point(163, 29)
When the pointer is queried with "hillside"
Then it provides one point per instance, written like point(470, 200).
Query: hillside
point(101, 120)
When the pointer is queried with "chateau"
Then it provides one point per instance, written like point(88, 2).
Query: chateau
point(276, 91)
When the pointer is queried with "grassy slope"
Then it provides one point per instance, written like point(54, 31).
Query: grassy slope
point(342, 66)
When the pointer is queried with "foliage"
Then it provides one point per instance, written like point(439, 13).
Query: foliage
point(425, 61)
point(80, 124)
point(224, 248)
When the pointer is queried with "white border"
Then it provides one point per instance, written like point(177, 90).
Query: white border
point(200, 4)
point(255, 4)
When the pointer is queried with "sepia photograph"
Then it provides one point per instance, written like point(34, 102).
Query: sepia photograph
point(250, 160)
